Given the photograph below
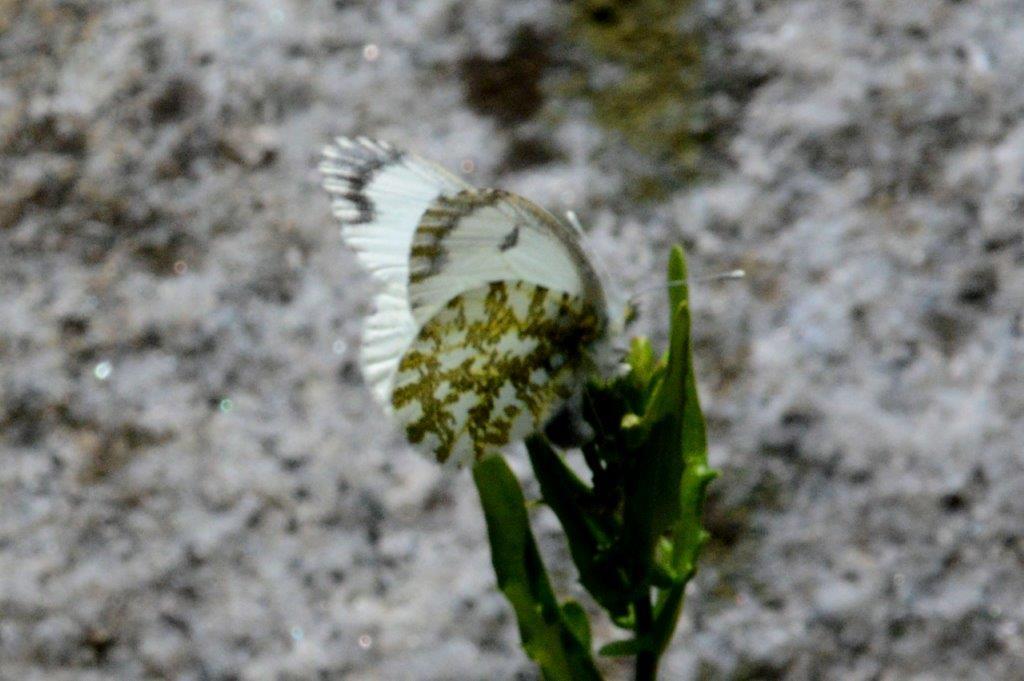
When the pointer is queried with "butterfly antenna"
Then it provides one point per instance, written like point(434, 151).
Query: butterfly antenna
point(731, 275)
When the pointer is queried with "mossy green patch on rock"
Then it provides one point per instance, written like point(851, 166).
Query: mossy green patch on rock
point(655, 58)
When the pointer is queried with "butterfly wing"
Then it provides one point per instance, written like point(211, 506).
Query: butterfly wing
point(479, 236)
point(490, 367)
point(379, 195)
point(488, 306)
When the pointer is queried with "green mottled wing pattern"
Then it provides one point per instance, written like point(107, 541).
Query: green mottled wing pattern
point(490, 366)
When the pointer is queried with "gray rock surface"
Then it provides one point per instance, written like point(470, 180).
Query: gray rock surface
point(194, 484)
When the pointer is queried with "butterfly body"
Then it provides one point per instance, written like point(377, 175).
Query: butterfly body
point(489, 314)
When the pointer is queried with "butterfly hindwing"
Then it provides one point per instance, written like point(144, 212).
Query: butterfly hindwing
point(490, 367)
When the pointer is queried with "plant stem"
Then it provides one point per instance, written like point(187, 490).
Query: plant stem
point(646, 660)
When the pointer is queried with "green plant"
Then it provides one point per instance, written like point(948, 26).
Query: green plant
point(634, 531)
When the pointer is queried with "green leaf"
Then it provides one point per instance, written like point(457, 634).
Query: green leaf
point(669, 399)
point(678, 288)
point(690, 536)
point(666, 616)
point(643, 364)
point(625, 647)
point(652, 496)
point(588, 533)
point(552, 641)
point(576, 619)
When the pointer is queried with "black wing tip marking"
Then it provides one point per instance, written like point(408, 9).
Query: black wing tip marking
point(348, 167)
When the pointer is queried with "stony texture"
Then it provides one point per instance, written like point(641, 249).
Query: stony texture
point(195, 485)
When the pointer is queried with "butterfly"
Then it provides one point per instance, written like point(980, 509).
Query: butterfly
point(489, 313)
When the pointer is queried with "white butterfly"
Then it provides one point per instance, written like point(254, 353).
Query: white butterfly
point(490, 312)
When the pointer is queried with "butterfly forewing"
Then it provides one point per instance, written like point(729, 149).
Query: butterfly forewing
point(379, 195)
point(477, 236)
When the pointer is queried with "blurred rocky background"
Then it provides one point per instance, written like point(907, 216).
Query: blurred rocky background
point(194, 483)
